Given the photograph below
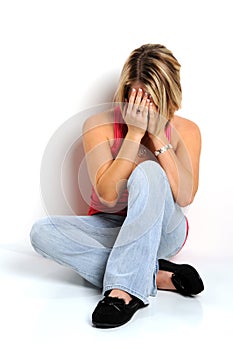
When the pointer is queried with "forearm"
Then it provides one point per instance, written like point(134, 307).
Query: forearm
point(180, 178)
point(114, 179)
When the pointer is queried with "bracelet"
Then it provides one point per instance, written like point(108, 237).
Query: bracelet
point(163, 149)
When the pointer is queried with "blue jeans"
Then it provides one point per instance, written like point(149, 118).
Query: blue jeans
point(112, 251)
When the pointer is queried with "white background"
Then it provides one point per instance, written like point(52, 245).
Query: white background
point(60, 57)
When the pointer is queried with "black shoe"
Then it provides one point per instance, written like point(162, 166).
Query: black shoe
point(114, 312)
point(185, 278)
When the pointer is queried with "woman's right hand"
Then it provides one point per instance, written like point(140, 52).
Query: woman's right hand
point(135, 113)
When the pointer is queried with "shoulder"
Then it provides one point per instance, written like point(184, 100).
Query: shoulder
point(185, 127)
point(99, 121)
point(186, 135)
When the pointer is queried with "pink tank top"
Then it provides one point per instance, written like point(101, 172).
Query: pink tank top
point(120, 130)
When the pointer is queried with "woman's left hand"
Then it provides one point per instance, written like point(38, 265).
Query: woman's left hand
point(156, 122)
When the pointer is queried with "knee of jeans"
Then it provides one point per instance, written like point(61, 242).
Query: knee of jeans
point(151, 166)
point(39, 233)
point(148, 171)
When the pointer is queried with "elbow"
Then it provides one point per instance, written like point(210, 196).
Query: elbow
point(107, 198)
point(185, 196)
point(184, 201)
point(110, 192)
point(108, 202)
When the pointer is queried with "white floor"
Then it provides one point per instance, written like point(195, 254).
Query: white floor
point(46, 306)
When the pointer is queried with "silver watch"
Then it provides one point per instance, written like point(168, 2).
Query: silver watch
point(163, 149)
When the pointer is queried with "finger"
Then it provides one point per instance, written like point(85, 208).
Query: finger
point(138, 98)
point(144, 100)
point(152, 112)
point(131, 100)
point(145, 110)
point(151, 108)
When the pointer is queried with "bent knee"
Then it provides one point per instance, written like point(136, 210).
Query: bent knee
point(39, 234)
point(148, 170)
point(151, 166)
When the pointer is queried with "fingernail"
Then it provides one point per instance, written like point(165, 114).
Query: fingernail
point(139, 90)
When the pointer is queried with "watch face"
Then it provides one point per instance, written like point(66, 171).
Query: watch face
point(163, 149)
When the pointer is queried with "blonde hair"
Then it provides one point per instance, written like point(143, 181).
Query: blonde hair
point(158, 70)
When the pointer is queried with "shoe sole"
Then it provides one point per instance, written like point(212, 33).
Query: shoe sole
point(106, 325)
point(110, 325)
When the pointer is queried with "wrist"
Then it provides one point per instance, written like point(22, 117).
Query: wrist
point(163, 149)
point(159, 141)
point(134, 136)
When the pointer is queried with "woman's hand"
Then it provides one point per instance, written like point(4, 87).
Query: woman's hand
point(135, 113)
point(156, 122)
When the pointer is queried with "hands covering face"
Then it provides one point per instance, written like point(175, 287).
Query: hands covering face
point(141, 115)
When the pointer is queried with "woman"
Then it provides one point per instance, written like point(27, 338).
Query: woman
point(143, 162)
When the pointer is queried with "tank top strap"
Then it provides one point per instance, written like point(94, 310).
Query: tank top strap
point(119, 124)
point(120, 129)
point(168, 131)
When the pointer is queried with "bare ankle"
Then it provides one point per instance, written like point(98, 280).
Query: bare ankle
point(121, 294)
point(164, 281)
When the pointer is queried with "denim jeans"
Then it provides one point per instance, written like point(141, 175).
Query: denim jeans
point(112, 251)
